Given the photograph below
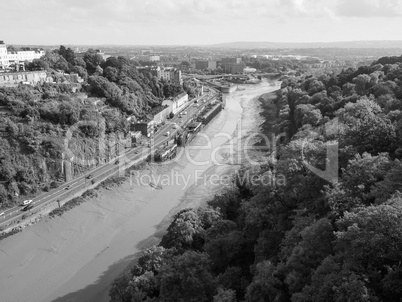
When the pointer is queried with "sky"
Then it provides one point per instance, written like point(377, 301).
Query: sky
point(196, 22)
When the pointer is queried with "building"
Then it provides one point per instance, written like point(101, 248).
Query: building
point(177, 103)
point(13, 57)
point(169, 74)
point(231, 60)
point(3, 55)
point(28, 77)
point(154, 58)
point(145, 127)
point(205, 64)
point(233, 67)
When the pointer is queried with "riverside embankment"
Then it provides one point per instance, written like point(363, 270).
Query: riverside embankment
point(75, 257)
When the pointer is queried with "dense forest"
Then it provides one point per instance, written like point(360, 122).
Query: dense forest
point(306, 239)
point(34, 119)
point(277, 66)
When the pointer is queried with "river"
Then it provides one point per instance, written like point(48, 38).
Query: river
point(75, 257)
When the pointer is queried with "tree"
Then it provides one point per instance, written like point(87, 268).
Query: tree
point(312, 117)
point(82, 72)
point(3, 195)
point(183, 230)
point(186, 278)
point(39, 64)
point(391, 184)
point(78, 61)
point(223, 244)
point(300, 111)
point(372, 134)
point(225, 295)
point(92, 59)
point(333, 284)
point(151, 260)
point(362, 174)
point(119, 290)
point(362, 83)
point(314, 86)
point(265, 287)
point(228, 203)
point(369, 242)
point(111, 73)
point(315, 246)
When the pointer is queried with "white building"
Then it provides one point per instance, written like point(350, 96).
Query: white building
point(17, 56)
point(177, 103)
point(3, 55)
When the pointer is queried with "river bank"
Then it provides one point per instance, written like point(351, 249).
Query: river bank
point(76, 256)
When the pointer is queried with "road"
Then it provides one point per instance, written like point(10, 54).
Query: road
point(78, 184)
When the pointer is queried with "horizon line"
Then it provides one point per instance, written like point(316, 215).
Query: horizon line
point(206, 45)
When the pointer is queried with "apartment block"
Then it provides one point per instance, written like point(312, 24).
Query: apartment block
point(10, 56)
point(205, 64)
point(169, 74)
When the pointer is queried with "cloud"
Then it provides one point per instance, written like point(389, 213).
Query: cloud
point(369, 8)
point(179, 21)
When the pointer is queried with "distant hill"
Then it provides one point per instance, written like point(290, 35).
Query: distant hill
point(345, 44)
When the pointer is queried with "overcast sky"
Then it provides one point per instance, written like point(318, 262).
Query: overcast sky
point(139, 22)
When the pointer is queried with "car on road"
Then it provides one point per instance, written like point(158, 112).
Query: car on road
point(2, 213)
point(185, 112)
point(67, 188)
point(25, 202)
point(89, 176)
point(167, 133)
point(116, 162)
point(27, 207)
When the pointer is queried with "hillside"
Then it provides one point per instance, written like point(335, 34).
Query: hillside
point(35, 152)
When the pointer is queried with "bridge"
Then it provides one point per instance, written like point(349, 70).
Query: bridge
point(223, 76)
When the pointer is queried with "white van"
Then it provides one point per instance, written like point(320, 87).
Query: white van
point(25, 202)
